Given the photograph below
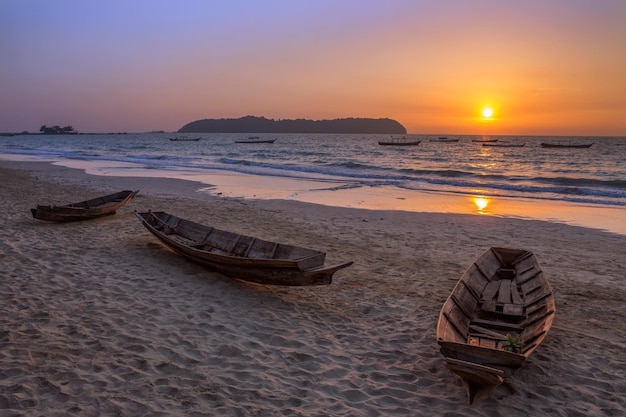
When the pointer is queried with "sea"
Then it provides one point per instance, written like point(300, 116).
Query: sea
point(593, 177)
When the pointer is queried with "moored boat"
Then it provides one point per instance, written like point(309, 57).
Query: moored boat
point(498, 313)
point(399, 141)
point(566, 145)
point(239, 256)
point(255, 139)
point(84, 210)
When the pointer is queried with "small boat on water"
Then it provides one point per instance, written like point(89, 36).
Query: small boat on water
point(84, 210)
point(184, 139)
point(505, 145)
point(444, 139)
point(239, 256)
point(399, 141)
point(485, 140)
point(565, 145)
point(498, 313)
point(255, 139)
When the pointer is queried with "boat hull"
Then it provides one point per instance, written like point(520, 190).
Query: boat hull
point(84, 210)
point(564, 146)
point(239, 256)
point(502, 298)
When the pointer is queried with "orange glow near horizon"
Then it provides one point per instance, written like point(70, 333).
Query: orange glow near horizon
point(495, 73)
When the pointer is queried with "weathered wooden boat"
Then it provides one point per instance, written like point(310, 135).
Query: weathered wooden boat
point(497, 315)
point(566, 145)
point(255, 139)
point(239, 256)
point(84, 210)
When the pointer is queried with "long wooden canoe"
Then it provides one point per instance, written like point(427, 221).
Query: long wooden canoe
point(497, 315)
point(240, 256)
point(84, 210)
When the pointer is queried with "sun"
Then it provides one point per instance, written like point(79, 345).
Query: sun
point(487, 112)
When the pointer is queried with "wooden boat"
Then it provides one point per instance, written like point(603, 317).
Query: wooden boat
point(84, 210)
point(485, 140)
point(184, 139)
point(255, 139)
point(240, 256)
point(401, 141)
point(497, 315)
point(563, 145)
point(505, 145)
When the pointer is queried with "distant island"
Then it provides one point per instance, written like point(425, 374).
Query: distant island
point(253, 124)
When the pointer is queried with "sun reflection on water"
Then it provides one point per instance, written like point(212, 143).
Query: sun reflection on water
point(481, 204)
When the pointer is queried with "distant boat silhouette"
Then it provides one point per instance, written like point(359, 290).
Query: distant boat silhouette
point(561, 145)
point(255, 139)
point(401, 141)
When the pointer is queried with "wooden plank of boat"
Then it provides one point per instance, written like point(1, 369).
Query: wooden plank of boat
point(84, 210)
point(566, 146)
point(239, 256)
point(498, 313)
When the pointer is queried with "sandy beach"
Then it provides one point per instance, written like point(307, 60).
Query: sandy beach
point(99, 319)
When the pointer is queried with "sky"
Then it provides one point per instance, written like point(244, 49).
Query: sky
point(544, 67)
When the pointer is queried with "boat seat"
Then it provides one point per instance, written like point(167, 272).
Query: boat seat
point(497, 324)
point(502, 297)
point(485, 342)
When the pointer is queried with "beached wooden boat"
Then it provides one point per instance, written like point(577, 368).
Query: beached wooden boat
point(497, 315)
point(255, 139)
point(240, 256)
point(84, 210)
point(566, 145)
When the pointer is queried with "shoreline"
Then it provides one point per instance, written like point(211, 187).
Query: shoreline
point(98, 318)
point(337, 194)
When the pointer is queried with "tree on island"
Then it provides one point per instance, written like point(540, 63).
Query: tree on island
point(57, 130)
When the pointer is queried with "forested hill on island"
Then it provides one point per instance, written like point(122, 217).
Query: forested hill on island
point(252, 124)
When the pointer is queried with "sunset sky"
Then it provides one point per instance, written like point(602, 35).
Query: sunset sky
point(545, 67)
